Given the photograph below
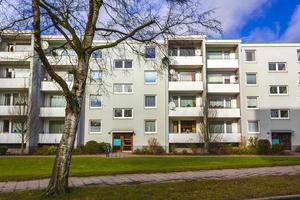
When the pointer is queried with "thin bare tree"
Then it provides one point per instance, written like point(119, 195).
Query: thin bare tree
point(115, 21)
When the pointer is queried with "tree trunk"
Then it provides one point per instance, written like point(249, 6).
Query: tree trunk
point(60, 174)
point(22, 144)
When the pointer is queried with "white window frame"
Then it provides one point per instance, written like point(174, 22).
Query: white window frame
point(278, 91)
point(90, 132)
point(256, 79)
point(279, 114)
point(147, 107)
point(123, 113)
point(154, 50)
point(258, 126)
point(298, 53)
point(123, 88)
point(123, 64)
point(225, 127)
point(257, 103)
point(91, 107)
point(250, 50)
point(150, 83)
point(298, 78)
point(92, 81)
point(155, 132)
point(276, 65)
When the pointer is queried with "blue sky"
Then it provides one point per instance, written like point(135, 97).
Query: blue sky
point(258, 21)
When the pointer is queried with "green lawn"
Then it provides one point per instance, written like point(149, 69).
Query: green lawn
point(212, 189)
point(20, 168)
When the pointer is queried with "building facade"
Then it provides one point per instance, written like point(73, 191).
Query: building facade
point(251, 90)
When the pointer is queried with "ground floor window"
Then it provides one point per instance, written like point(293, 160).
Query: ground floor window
point(95, 126)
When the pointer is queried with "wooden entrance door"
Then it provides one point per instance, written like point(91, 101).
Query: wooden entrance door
point(284, 139)
point(122, 142)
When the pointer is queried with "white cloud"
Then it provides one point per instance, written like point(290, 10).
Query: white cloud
point(292, 33)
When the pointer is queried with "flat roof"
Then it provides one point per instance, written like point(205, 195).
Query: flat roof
point(272, 45)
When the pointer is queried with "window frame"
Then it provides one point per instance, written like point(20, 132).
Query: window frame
point(91, 107)
point(150, 132)
point(95, 81)
point(279, 114)
point(123, 113)
point(250, 50)
point(123, 64)
point(92, 132)
point(276, 67)
point(257, 103)
point(258, 126)
point(256, 81)
point(123, 88)
point(150, 95)
point(150, 47)
point(278, 90)
point(150, 83)
point(298, 55)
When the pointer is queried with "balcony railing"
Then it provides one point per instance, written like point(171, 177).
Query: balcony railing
point(52, 112)
point(226, 112)
point(9, 110)
point(186, 86)
point(15, 56)
point(49, 138)
point(186, 60)
point(52, 86)
point(222, 64)
point(10, 138)
point(186, 112)
point(196, 138)
point(223, 88)
point(14, 83)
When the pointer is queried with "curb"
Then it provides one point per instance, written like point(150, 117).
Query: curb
point(285, 197)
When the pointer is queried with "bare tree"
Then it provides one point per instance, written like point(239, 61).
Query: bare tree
point(115, 21)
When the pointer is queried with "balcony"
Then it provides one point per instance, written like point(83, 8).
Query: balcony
point(226, 112)
point(10, 138)
point(62, 60)
point(14, 83)
point(186, 60)
point(196, 138)
point(52, 112)
point(48, 86)
point(186, 112)
point(182, 86)
point(10, 110)
point(222, 64)
point(49, 138)
point(15, 56)
point(224, 88)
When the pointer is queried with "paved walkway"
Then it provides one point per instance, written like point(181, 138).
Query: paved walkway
point(12, 186)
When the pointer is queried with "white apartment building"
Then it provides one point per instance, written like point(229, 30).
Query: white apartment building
point(252, 91)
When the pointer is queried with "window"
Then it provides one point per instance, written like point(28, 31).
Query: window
point(70, 77)
point(220, 127)
point(95, 101)
point(123, 64)
point(95, 126)
point(298, 77)
point(250, 55)
point(7, 98)
point(253, 127)
point(298, 54)
point(277, 67)
point(182, 52)
point(220, 102)
point(56, 126)
point(150, 126)
point(123, 88)
point(150, 52)
point(5, 126)
point(17, 127)
point(123, 113)
point(279, 114)
point(251, 78)
point(96, 75)
point(188, 126)
point(57, 101)
point(97, 54)
point(252, 102)
point(150, 101)
point(279, 90)
point(150, 77)
point(187, 101)
point(218, 55)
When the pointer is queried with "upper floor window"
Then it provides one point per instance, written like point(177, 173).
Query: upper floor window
point(150, 52)
point(95, 126)
point(56, 126)
point(70, 77)
point(123, 64)
point(279, 114)
point(97, 54)
point(250, 55)
point(218, 55)
point(96, 75)
point(253, 126)
point(277, 67)
point(220, 102)
point(123, 113)
point(251, 78)
point(252, 102)
point(182, 51)
point(95, 101)
point(123, 88)
point(298, 54)
point(150, 77)
point(150, 101)
point(184, 101)
point(278, 89)
point(57, 101)
point(220, 127)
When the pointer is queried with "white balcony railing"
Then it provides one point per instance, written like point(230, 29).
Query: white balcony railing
point(223, 88)
point(62, 60)
point(14, 83)
point(47, 86)
point(226, 112)
point(52, 112)
point(186, 60)
point(186, 112)
point(12, 110)
point(196, 138)
point(49, 138)
point(10, 138)
point(186, 86)
point(223, 64)
point(15, 56)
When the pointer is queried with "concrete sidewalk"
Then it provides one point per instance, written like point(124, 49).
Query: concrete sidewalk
point(12, 186)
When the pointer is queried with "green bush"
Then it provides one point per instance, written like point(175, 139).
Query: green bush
point(297, 149)
point(92, 147)
point(277, 149)
point(263, 147)
point(252, 142)
point(79, 150)
point(173, 148)
point(47, 150)
point(193, 147)
point(3, 150)
point(105, 147)
point(153, 148)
